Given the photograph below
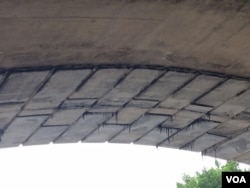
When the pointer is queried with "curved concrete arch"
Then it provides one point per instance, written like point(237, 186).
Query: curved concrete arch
point(168, 73)
point(158, 106)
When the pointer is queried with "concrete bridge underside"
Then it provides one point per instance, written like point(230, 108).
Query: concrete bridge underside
point(164, 73)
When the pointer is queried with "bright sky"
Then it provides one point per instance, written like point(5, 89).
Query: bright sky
point(97, 166)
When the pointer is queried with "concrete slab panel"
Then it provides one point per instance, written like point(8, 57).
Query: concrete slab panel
point(223, 92)
point(7, 113)
point(18, 87)
point(163, 111)
point(230, 128)
point(232, 148)
point(234, 106)
point(142, 103)
point(191, 91)
point(36, 112)
point(173, 103)
point(244, 158)
point(45, 135)
point(182, 119)
point(242, 100)
point(188, 134)
point(218, 118)
point(60, 86)
point(64, 117)
point(166, 85)
point(156, 136)
point(104, 109)
point(82, 128)
point(127, 115)
point(8, 145)
point(204, 142)
point(100, 83)
point(243, 116)
point(136, 81)
point(21, 128)
point(228, 110)
point(78, 103)
point(104, 133)
point(139, 128)
point(198, 108)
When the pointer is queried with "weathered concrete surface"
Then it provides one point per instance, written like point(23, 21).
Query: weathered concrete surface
point(138, 129)
point(21, 128)
point(62, 105)
point(206, 35)
point(188, 134)
point(19, 87)
point(7, 113)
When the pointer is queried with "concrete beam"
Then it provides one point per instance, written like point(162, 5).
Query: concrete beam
point(206, 35)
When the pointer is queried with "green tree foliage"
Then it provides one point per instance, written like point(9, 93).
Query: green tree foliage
point(209, 178)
